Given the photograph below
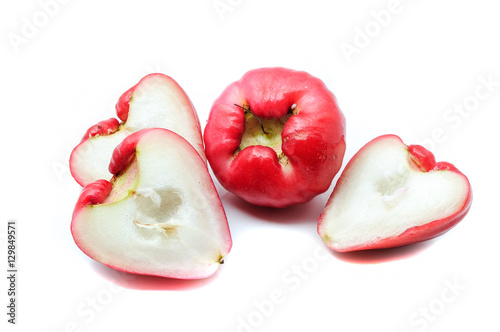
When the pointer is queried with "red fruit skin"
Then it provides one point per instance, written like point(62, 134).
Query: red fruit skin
point(125, 151)
point(426, 162)
point(313, 139)
point(92, 194)
point(102, 128)
point(123, 104)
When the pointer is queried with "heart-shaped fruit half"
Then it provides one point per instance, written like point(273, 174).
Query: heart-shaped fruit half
point(157, 101)
point(159, 215)
point(391, 195)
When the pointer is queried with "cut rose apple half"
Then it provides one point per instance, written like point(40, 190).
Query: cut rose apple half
point(159, 215)
point(392, 195)
point(157, 101)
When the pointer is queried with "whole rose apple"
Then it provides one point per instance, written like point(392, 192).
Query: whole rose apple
point(276, 137)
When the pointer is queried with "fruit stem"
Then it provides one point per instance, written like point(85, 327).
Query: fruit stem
point(246, 109)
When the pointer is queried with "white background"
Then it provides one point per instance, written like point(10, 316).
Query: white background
point(409, 74)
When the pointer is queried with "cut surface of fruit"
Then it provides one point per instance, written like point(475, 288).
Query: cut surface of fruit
point(162, 217)
point(384, 199)
point(90, 159)
point(157, 101)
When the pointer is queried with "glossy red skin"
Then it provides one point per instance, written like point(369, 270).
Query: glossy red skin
point(313, 140)
point(102, 128)
point(125, 151)
point(427, 163)
point(123, 104)
point(92, 194)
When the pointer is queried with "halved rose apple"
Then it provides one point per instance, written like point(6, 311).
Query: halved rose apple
point(392, 195)
point(159, 215)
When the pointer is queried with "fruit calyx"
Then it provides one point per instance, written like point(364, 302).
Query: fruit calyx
point(263, 132)
point(246, 109)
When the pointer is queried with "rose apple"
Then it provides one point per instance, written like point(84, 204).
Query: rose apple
point(156, 101)
point(390, 195)
point(276, 137)
point(159, 215)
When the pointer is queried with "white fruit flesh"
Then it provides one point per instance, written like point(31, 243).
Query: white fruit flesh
point(157, 102)
point(90, 159)
point(381, 195)
point(163, 216)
